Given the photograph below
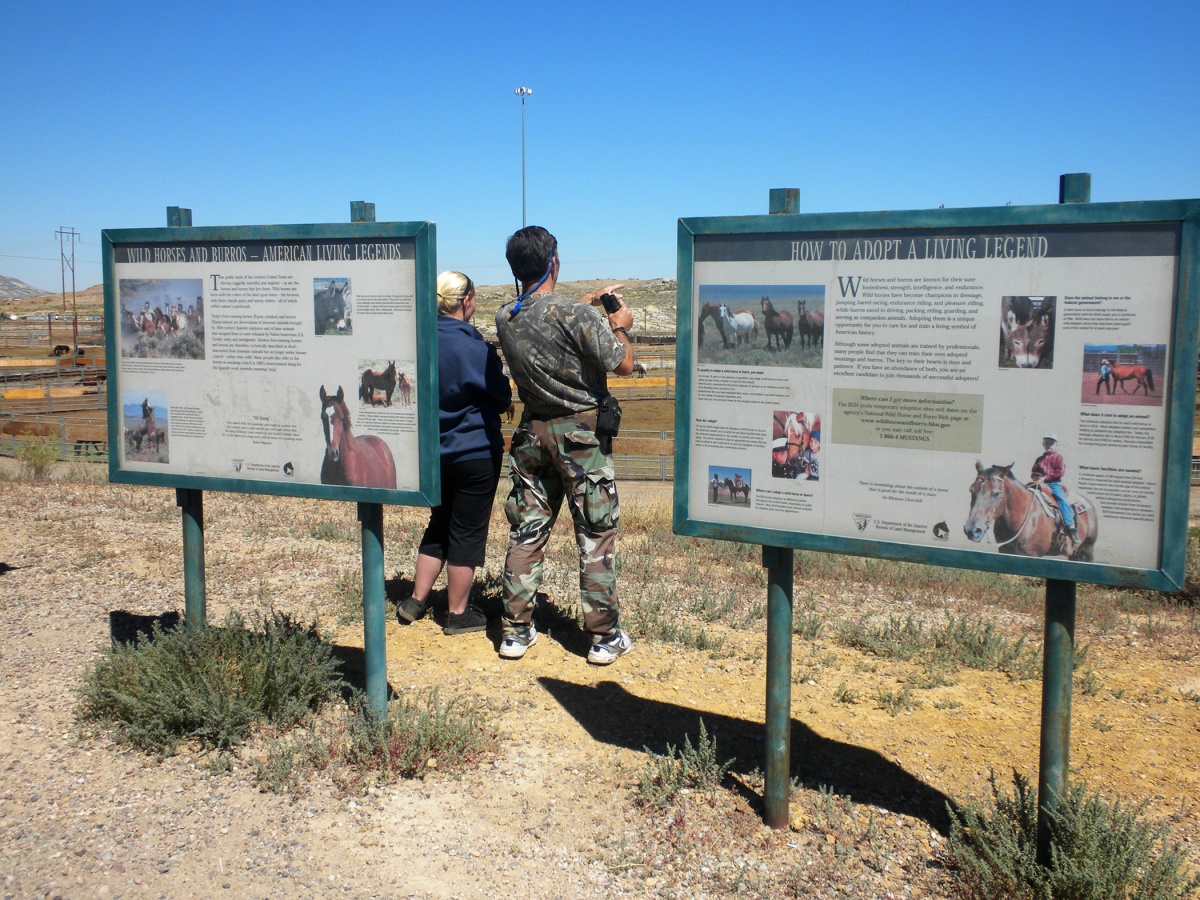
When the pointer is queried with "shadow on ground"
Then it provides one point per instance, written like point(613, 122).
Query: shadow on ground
point(612, 715)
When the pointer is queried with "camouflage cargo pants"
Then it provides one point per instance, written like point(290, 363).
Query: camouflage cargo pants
point(552, 459)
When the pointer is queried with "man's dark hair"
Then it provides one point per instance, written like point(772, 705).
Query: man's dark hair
point(529, 253)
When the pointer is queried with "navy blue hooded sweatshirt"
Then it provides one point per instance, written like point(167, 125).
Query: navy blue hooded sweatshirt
point(474, 391)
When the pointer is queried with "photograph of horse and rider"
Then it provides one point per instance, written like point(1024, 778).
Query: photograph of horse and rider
point(1038, 516)
point(761, 325)
point(1123, 374)
point(162, 318)
point(145, 420)
point(727, 484)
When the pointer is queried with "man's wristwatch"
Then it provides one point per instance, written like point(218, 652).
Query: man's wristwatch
point(624, 331)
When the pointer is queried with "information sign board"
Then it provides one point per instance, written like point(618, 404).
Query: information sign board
point(286, 359)
point(883, 384)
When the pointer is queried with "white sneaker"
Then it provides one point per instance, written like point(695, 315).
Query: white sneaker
point(607, 648)
point(514, 645)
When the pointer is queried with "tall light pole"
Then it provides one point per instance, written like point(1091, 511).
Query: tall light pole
point(523, 92)
point(69, 263)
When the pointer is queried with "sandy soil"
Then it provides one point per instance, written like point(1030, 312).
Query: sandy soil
point(550, 815)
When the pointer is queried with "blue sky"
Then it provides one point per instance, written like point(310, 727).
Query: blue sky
point(278, 113)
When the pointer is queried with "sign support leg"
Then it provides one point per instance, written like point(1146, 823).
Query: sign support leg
point(778, 563)
point(191, 505)
point(1058, 663)
point(1058, 648)
point(374, 615)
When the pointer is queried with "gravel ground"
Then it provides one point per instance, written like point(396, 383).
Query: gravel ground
point(549, 815)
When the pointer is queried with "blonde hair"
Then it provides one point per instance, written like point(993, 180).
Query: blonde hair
point(452, 289)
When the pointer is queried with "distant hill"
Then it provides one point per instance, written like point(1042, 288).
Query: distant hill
point(11, 289)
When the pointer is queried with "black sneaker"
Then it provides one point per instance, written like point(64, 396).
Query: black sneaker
point(472, 619)
point(411, 609)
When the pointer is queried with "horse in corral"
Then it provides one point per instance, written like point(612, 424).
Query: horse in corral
point(373, 380)
point(329, 307)
point(405, 390)
point(778, 324)
point(810, 323)
point(1141, 374)
point(359, 461)
point(1023, 521)
point(740, 324)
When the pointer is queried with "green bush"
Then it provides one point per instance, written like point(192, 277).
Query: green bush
point(36, 456)
point(1098, 851)
point(210, 685)
point(665, 777)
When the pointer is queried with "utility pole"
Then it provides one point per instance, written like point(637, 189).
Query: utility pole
point(69, 262)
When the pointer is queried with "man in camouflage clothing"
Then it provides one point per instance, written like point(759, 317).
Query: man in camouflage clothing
point(559, 352)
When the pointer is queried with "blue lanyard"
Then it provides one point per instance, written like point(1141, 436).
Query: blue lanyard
point(521, 299)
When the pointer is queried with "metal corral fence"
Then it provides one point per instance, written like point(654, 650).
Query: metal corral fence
point(645, 468)
point(49, 332)
point(71, 439)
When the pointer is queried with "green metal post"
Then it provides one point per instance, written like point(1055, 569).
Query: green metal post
point(374, 632)
point(785, 201)
point(1058, 662)
point(1058, 650)
point(778, 562)
point(374, 609)
point(191, 503)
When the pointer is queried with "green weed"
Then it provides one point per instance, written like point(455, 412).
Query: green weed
point(845, 694)
point(1098, 850)
point(666, 777)
point(896, 702)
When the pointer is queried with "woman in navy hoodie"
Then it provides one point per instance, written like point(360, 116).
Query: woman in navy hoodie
point(473, 392)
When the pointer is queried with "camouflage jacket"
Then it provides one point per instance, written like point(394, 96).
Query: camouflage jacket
point(559, 353)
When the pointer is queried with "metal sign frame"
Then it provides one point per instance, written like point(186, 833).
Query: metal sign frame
point(1179, 400)
point(421, 235)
